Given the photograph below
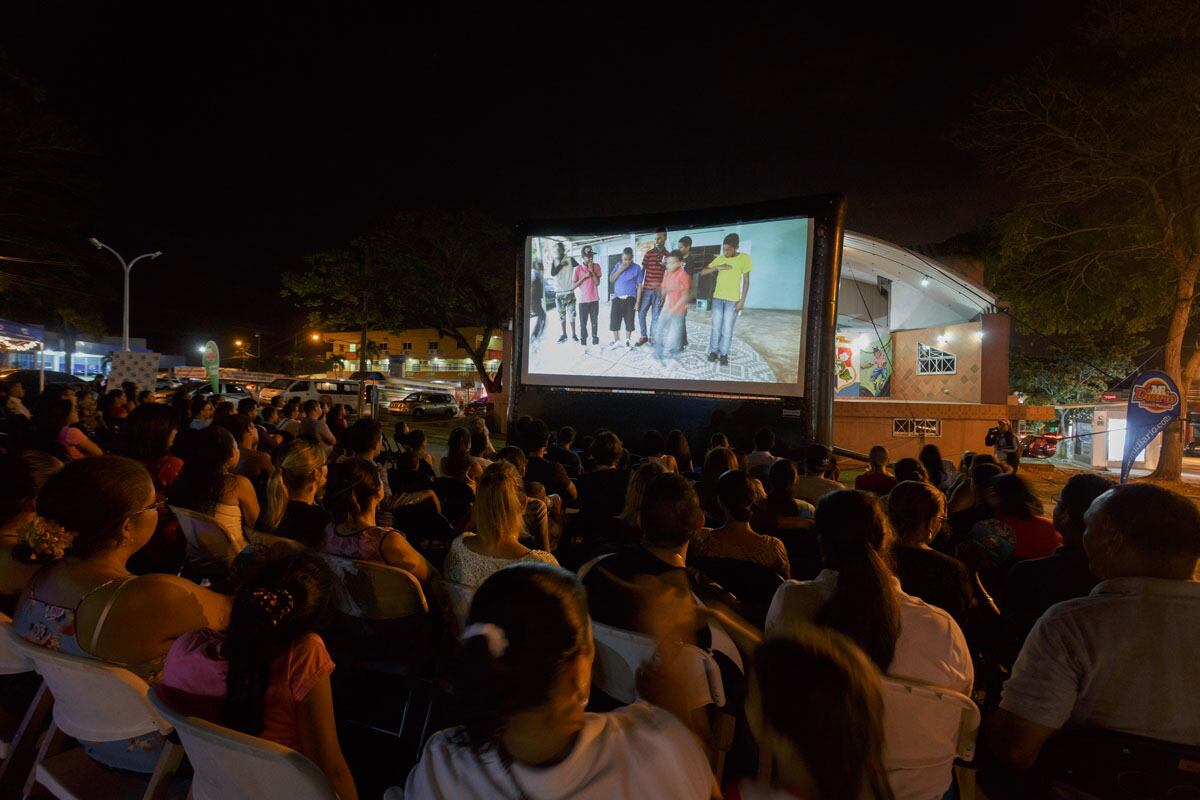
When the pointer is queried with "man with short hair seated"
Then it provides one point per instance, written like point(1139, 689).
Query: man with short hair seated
point(1126, 657)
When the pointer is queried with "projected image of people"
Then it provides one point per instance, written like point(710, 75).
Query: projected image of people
point(721, 304)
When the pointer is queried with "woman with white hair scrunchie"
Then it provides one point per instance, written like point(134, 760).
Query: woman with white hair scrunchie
point(524, 678)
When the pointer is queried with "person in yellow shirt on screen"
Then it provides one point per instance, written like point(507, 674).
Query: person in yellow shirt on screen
point(729, 296)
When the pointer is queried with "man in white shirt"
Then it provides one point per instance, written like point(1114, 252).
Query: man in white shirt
point(1126, 657)
point(762, 456)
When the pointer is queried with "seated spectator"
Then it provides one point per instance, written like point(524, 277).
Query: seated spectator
point(92, 515)
point(815, 483)
point(941, 472)
point(717, 440)
point(336, 420)
point(364, 439)
point(678, 449)
point(858, 595)
point(781, 510)
point(56, 422)
point(462, 465)
point(542, 527)
point(352, 496)
point(267, 674)
point(478, 425)
point(147, 436)
point(717, 462)
point(561, 452)
point(251, 464)
point(91, 421)
point(1016, 530)
point(480, 444)
point(966, 493)
point(602, 491)
point(654, 448)
point(761, 456)
point(808, 727)
point(499, 513)
point(21, 478)
point(910, 469)
point(202, 412)
point(114, 405)
point(917, 510)
point(878, 479)
point(1032, 586)
point(523, 682)
point(291, 509)
point(290, 424)
point(626, 529)
point(407, 476)
point(223, 409)
point(455, 489)
point(416, 442)
point(735, 539)
point(207, 485)
point(14, 404)
point(314, 426)
point(541, 470)
point(962, 520)
point(1123, 658)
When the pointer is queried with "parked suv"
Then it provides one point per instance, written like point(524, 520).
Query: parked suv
point(426, 404)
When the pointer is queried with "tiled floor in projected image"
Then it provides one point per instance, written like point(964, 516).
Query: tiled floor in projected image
point(766, 348)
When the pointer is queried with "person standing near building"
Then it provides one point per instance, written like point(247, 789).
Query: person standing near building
point(562, 270)
point(692, 266)
point(649, 297)
point(587, 288)
point(1004, 444)
point(624, 279)
point(537, 296)
point(675, 286)
point(729, 295)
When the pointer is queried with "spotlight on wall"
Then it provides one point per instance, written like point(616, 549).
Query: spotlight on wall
point(924, 282)
point(862, 341)
point(979, 336)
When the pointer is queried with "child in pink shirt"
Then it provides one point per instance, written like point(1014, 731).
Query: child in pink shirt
point(587, 293)
point(268, 674)
point(676, 285)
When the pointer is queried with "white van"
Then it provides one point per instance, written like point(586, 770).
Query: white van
point(309, 389)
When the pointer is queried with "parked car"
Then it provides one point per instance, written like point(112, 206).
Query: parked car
point(28, 378)
point(1192, 449)
point(426, 404)
point(479, 408)
point(232, 392)
point(309, 389)
point(1041, 445)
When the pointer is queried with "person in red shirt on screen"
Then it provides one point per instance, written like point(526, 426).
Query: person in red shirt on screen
point(649, 296)
point(676, 284)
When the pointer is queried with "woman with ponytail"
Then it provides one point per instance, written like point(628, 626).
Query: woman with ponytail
point(92, 515)
point(735, 539)
point(291, 510)
point(207, 484)
point(352, 497)
point(523, 682)
point(267, 674)
point(858, 595)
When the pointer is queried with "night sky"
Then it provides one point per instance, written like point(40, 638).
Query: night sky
point(237, 141)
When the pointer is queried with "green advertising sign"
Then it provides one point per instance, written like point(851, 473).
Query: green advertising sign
point(212, 364)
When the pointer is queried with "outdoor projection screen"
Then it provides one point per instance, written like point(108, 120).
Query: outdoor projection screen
point(729, 300)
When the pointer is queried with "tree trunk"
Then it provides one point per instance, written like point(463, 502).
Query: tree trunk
point(1170, 458)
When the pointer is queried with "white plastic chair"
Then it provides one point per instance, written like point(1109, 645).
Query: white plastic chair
point(371, 590)
point(230, 765)
point(18, 737)
point(925, 728)
point(619, 656)
point(97, 702)
point(270, 540)
point(210, 548)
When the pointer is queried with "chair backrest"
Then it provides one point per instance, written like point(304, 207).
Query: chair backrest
point(752, 584)
point(270, 540)
point(371, 590)
point(455, 601)
point(229, 765)
point(1105, 764)
point(924, 729)
point(620, 654)
point(93, 700)
point(210, 548)
point(12, 660)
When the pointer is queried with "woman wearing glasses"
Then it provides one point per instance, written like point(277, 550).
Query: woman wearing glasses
point(91, 517)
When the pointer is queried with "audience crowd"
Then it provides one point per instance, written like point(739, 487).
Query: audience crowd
point(602, 622)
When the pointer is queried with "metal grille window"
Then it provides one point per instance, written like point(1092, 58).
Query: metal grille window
point(916, 427)
point(932, 361)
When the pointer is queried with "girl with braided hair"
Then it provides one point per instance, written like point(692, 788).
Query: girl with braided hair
point(267, 674)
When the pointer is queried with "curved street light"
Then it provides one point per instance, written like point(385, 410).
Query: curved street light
point(99, 245)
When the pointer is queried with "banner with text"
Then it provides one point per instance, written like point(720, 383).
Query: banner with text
point(1153, 405)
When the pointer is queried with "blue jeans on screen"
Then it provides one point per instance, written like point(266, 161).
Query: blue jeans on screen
point(651, 301)
point(668, 332)
point(724, 315)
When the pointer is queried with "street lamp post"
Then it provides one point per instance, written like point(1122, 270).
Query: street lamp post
point(99, 245)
